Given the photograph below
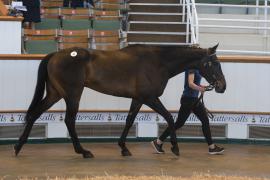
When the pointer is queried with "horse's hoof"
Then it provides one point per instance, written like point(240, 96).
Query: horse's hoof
point(16, 149)
point(175, 150)
point(88, 155)
point(126, 152)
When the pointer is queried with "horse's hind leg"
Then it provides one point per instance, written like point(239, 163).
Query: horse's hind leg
point(133, 111)
point(157, 106)
point(71, 112)
point(33, 115)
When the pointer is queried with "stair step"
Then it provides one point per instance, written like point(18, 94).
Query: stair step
point(156, 9)
point(156, 38)
point(161, 43)
point(154, 1)
point(160, 18)
point(155, 13)
point(155, 22)
point(156, 4)
point(156, 32)
point(157, 27)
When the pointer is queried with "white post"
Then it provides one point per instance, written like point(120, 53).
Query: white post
point(195, 21)
point(257, 9)
point(54, 132)
point(184, 11)
point(11, 35)
point(237, 131)
point(188, 21)
point(192, 22)
point(265, 17)
point(147, 130)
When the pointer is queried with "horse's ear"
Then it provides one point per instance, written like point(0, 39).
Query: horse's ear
point(212, 50)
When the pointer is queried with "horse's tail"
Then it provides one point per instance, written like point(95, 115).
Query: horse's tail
point(40, 86)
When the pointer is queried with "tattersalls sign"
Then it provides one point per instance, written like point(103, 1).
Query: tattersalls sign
point(143, 117)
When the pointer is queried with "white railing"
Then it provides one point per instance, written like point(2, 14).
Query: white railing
point(257, 6)
point(258, 53)
point(265, 21)
point(192, 21)
point(262, 24)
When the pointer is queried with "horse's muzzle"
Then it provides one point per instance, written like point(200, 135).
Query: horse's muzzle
point(220, 86)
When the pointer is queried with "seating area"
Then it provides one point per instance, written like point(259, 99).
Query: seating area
point(60, 27)
point(46, 41)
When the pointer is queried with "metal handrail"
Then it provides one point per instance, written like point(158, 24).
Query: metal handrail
point(235, 27)
point(244, 52)
point(261, 24)
point(196, 20)
point(187, 8)
point(232, 5)
point(192, 22)
point(236, 20)
point(257, 6)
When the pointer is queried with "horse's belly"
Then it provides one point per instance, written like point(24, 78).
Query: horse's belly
point(113, 88)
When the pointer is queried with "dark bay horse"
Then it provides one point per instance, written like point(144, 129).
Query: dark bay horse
point(140, 72)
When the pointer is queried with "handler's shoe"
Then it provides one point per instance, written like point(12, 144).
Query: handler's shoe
point(216, 150)
point(157, 147)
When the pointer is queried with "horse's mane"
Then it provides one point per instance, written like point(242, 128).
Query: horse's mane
point(165, 50)
point(196, 48)
point(168, 46)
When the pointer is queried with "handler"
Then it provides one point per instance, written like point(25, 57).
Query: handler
point(190, 103)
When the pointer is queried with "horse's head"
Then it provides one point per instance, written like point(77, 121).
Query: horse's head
point(210, 69)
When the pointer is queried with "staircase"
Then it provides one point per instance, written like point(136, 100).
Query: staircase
point(162, 22)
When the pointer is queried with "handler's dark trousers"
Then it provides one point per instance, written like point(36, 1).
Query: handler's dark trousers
point(188, 106)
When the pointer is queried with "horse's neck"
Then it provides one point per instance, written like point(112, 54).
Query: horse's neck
point(184, 60)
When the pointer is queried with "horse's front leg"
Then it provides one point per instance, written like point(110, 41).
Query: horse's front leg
point(71, 112)
point(133, 111)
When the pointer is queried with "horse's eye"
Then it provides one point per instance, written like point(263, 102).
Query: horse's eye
point(215, 63)
point(209, 64)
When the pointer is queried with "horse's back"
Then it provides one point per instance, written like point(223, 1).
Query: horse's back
point(124, 72)
point(74, 54)
point(128, 61)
